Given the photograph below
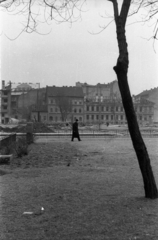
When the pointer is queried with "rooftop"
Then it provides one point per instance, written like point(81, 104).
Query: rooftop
point(65, 91)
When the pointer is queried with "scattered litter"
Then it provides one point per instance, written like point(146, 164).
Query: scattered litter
point(29, 213)
point(35, 213)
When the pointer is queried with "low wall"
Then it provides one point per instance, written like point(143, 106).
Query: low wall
point(6, 141)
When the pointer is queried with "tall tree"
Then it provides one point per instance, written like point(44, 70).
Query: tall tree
point(121, 70)
point(65, 10)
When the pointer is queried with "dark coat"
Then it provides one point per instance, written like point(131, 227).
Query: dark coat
point(75, 132)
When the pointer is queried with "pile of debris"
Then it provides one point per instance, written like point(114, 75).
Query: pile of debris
point(41, 128)
point(21, 128)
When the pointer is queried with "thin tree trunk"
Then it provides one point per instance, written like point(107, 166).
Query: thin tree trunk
point(138, 143)
point(121, 70)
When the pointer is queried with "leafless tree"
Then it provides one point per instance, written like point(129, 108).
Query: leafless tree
point(65, 10)
point(65, 106)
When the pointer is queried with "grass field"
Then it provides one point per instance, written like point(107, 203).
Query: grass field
point(91, 189)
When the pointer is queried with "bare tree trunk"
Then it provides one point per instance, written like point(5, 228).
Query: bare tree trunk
point(121, 70)
point(138, 143)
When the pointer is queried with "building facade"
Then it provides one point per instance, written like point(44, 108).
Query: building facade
point(152, 96)
point(5, 103)
point(65, 104)
point(108, 112)
point(90, 104)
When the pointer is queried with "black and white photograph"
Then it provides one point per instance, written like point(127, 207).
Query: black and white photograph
point(78, 120)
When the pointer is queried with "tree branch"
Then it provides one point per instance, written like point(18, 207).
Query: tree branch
point(115, 6)
point(124, 11)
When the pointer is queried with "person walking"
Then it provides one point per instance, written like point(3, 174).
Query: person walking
point(75, 132)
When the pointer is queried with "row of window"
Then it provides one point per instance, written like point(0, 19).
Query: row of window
point(56, 110)
point(143, 109)
point(55, 118)
point(114, 117)
point(103, 109)
point(106, 117)
point(75, 102)
point(145, 118)
point(116, 109)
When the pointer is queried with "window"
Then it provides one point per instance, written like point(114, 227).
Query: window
point(51, 109)
point(56, 110)
point(102, 117)
point(87, 117)
point(107, 109)
point(102, 109)
point(116, 109)
point(112, 117)
point(140, 109)
point(140, 117)
point(121, 117)
point(92, 117)
point(107, 117)
point(4, 107)
point(97, 108)
point(75, 110)
point(121, 109)
point(92, 108)
point(80, 110)
point(50, 100)
point(87, 108)
point(44, 118)
point(97, 117)
point(51, 118)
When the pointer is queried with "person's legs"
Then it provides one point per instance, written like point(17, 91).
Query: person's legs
point(79, 138)
point(72, 138)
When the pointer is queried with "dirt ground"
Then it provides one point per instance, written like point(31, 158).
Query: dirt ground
point(91, 189)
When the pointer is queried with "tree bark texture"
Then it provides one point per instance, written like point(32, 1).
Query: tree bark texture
point(121, 70)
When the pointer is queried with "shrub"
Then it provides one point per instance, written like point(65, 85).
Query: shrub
point(21, 147)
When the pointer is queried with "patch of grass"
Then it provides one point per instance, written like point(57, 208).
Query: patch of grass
point(99, 196)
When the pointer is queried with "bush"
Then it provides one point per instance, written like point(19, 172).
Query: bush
point(21, 147)
point(9, 149)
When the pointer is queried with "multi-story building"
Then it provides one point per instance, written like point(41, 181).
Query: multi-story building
point(5, 103)
point(65, 103)
point(103, 104)
point(144, 110)
point(94, 104)
point(108, 111)
point(14, 100)
point(100, 91)
point(152, 96)
point(22, 97)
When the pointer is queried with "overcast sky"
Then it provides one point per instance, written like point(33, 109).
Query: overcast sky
point(69, 54)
